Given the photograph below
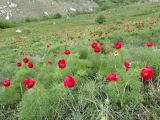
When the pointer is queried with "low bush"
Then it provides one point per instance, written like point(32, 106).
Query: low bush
point(6, 24)
point(57, 16)
point(100, 19)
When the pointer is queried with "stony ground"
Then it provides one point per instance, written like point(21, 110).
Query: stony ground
point(19, 9)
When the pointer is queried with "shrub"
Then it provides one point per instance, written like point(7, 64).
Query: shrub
point(30, 19)
point(35, 104)
point(100, 19)
point(57, 16)
point(5, 25)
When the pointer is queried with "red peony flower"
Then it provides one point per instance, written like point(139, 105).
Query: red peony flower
point(129, 30)
point(71, 38)
point(6, 83)
point(22, 53)
point(62, 63)
point(30, 65)
point(79, 37)
point(29, 83)
point(109, 51)
point(101, 43)
point(100, 34)
point(67, 52)
point(127, 65)
point(25, 60)
point(97, 49)
point(94, 44)
point(69, 81)
point(147, 74)
point(112, 77)
point(118, 45)
point(49, 63)
point(19, 64)
point(149, 44)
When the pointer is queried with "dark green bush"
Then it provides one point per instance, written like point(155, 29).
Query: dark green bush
point(5, 25)
point(100, 19)
point(30, 19)
point(57, 16)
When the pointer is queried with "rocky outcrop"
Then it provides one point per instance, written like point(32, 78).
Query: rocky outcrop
point(20, 9)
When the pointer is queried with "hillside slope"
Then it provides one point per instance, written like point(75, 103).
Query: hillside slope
point(102, 85)
point(19, 9)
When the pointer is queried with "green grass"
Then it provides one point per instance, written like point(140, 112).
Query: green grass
point(92, 97)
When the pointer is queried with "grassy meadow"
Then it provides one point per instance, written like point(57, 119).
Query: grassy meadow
point(93, 96)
